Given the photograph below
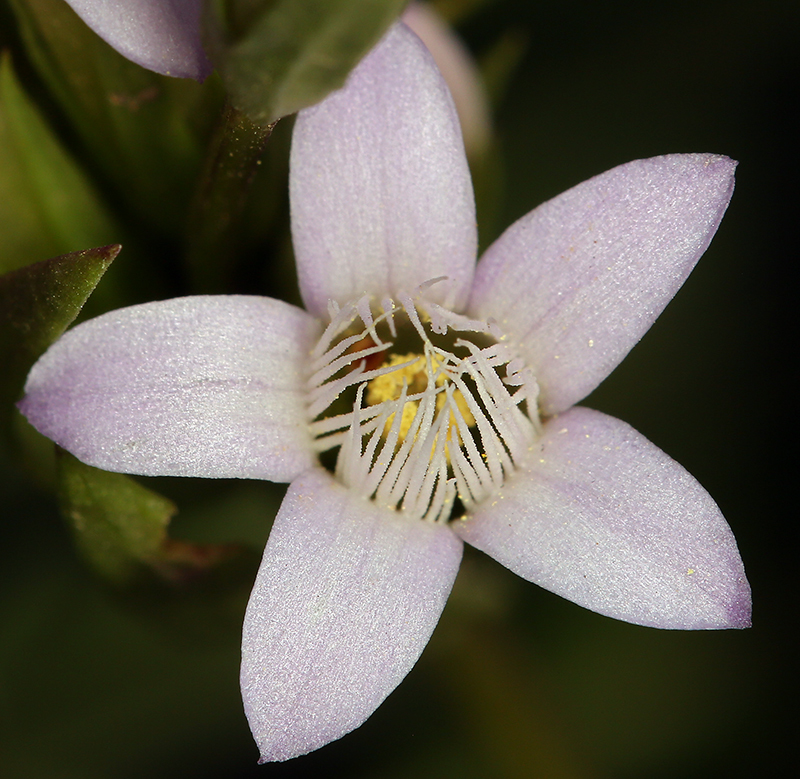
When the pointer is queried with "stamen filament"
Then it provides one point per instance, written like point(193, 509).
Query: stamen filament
point(461, 434)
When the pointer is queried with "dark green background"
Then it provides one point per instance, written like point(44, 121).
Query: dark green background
point(516, 682)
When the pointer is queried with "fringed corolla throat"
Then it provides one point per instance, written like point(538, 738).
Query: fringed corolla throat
point(431, 410)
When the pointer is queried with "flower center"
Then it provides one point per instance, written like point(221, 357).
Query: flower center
point(411, 372)
point(431, 411)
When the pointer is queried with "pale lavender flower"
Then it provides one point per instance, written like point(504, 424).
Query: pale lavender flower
point(449, 389)
point(160, 35)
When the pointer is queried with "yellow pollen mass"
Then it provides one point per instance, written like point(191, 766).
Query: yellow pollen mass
point(388, 387)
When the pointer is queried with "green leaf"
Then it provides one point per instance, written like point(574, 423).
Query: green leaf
point(47, 205)
point(278, 56)
point(39, 302)
point(120, 526)
point(117, 523)
point(145, 131)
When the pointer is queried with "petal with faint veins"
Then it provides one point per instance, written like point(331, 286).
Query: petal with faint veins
point(606, 519)
point(196, 386)
point(579, 280)
point(160, 35)
point(459, 70)
point(345, 601)
point(380, 189)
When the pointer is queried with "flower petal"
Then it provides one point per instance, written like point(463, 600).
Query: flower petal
point(578, 281)
point(197, 386)
point(160, 35)
point(346, 598)
point(606, 519)
point(380, 190)
point(459, 70)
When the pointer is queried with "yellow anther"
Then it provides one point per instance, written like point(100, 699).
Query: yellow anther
point(389, 386)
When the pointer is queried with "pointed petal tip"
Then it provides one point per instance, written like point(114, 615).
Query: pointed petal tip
point(740, 612)
point(718, 167)
point(580, 279)
point(604, 518)
point(286, 748)
point(721, 162)
point(278, 753)
point(729, 608)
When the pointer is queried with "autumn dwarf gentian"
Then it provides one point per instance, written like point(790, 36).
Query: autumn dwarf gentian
point(448, 390)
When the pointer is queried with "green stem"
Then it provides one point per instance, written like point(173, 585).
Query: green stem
point(215, 214)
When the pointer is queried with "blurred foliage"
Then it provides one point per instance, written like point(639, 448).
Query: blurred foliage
point(50, 205)
point(116, 521)
point(278, 56)
point(143, 133)
point(121, 526)
point(109, 682)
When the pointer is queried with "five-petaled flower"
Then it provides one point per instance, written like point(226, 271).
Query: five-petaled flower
point(448, 389)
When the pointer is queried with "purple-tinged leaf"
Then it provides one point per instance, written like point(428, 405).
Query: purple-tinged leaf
point(39, 302)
